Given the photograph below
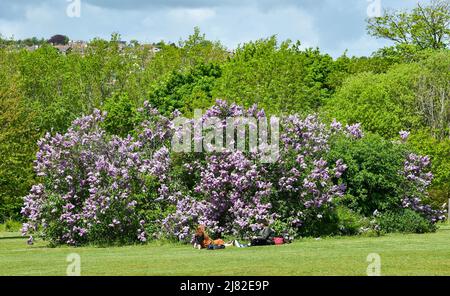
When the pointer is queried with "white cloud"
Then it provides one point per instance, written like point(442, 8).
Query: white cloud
point(235, 27)
point(196, 15)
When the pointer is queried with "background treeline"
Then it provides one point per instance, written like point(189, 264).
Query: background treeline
point(403, 87)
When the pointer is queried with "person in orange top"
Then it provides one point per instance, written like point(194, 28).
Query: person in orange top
point(202, 239)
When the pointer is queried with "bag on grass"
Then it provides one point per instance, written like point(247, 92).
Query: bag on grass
point(215, 247)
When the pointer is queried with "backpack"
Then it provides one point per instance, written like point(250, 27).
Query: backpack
point(215, 247)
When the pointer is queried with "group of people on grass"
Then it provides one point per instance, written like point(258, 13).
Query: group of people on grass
point(265, 237)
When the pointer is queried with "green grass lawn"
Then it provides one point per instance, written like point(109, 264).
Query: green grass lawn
point(401, 254)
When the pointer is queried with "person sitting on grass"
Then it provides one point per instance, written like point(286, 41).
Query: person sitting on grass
point(203, 241)
point(265, 236)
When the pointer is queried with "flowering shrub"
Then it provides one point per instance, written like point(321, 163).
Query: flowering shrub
point(230, 187)
point(306, 183)
point(235, 191)
point(93, 184)
point(105, 188)
point(417, 179)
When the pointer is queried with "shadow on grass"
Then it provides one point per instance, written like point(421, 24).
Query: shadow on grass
point(13, 237)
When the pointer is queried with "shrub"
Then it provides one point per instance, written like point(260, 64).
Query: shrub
point(350, 222)
point(372, 176)
point(94, 186)
point(10, 226)
point(227, 191)
point(120, 118)
point(297, 189)
point(383, 175)
point(405, 220)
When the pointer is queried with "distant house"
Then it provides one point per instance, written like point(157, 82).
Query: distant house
point(231, 52)
point(78, 46)
point(151, 48)
point(62, 48)
point(32, 47)
point(75, 46)
point(122, 45)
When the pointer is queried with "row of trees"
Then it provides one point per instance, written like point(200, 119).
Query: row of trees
point(402, 87)
point(34, 41)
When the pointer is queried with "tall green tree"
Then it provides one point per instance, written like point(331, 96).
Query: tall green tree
point(279, 77)
point(18, 136)
point(424, 26)
point(186, 91)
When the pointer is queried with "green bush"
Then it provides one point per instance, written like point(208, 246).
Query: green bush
point(185, 91)
point(281, 228)
point(326, 226)
point(372, 176)
point(121, 113)
point(404, 220)
point(10, 226)
point(350, 222)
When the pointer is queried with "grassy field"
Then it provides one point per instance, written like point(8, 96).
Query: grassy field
point(410, 254)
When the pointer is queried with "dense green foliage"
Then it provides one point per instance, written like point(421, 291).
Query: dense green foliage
point(404, 221)
point(281, 78)
point(372, 178)
point(186, 91)
point(411, 96)
point(439, 151)
point(381, 102)
point(351, 223)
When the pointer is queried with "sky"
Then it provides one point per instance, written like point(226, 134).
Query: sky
point(332, 25)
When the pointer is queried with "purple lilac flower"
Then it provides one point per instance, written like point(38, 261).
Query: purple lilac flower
point(404, 135)
point(354, 131)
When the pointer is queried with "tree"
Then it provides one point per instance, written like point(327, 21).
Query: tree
point(413, 97)
point(186, 91)
point(120, 115)
point(58, 40)
point(424, 26)
point(279, 77)
point(433, 94)
point(382, 103)
point(33, 41)
point(18, 135)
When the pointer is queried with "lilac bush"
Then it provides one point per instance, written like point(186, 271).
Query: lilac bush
point(229, 193)
point(93, 184)
point(417, 180)
point(234, 191)
point(306, 183)
point(104, 189)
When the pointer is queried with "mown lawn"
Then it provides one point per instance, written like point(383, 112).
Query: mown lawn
point(401, 254)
